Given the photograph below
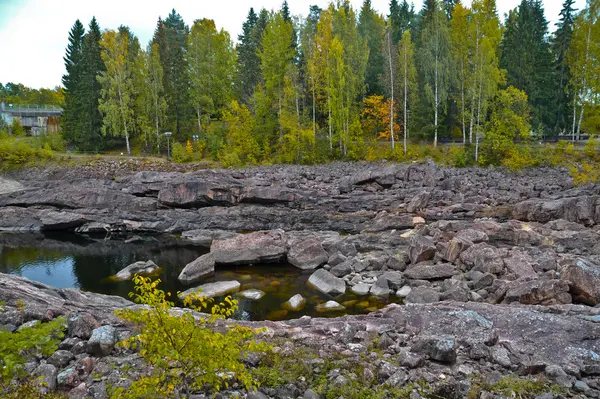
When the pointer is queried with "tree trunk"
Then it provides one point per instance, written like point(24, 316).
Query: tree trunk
point(462, 100)
point(574, 118)
point(199, 113)
point(329, 122)
point(314, 113)
point(405, 98)
point(391, 65)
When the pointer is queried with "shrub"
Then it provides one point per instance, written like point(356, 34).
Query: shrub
point(185, 353)
point(17, 129)
point(179, 154)
point(18, 153)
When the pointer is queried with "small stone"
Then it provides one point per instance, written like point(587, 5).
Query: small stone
point(256, 395)
point(310, 394)
point(79, 392)
point(68, 378)
point(29, 324)
point(397, 379)
point(45, 377)
point(80, 325)
point(439, 348)
point(500, 356)
point(295, 303)
point(581, 386)
point(558, 375)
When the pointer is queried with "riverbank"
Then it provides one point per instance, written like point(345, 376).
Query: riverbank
point(499, 272)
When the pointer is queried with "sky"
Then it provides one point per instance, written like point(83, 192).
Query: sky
point(34, 33)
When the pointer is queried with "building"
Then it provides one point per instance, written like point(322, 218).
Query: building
point(36, 119)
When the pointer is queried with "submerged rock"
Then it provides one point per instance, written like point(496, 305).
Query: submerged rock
point(329, 306)
point(212, 290)
point(252, 294)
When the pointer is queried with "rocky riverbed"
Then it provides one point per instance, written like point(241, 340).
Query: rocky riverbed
point(499, 272)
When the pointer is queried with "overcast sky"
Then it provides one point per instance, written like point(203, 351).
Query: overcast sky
point(33, 33)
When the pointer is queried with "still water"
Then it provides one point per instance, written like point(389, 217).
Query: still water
point(74, 261)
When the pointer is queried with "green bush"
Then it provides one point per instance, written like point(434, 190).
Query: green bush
point(185, 353)
point(54, 142)
point(17, 129)
point(179, 155)
point(20, 152)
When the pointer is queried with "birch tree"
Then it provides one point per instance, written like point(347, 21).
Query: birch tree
point(459, 32)
point(435, 62)
point(408, 79)
point(116, 103)
point(390, 62)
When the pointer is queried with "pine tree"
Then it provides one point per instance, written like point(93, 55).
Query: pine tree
point(307, 44)
point(371, 27)
point(402, 18)
point(561, 42)
point(248, 61)
point(72, 83)
point(390, 78)
point(449, 7)
point(90, 135)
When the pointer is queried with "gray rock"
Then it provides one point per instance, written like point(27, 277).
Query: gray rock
point(410, 360)
point(310, 394)
point(205, 238)
point(252, 294)
point(29, 324)
point(307, 254)
point(81, 325)
point(484, 258)
point(500, 356)
point(398, 379)
point(327, 283)
point(198, 269)
point(343, 269)
point(558, 375)
point(211, 290)
point(361, 289)
point(422, 295)
point(142, 268)
point(520, 264)
point(45, 377)
point(394, 280)
point(380, 288)
point(538, 292)
point(421, 249)
point(102, 341)
point(68, 378)
point(456, 246)
point(336, 259)
point(584, 279)
point(295, 303)
point(403, 292)
point(256, 395)
point(329, 306)
point(430, 272)
point(472, 235)
point(258, 247)
point(439, 348)
point(60, 358)
point(419, 201)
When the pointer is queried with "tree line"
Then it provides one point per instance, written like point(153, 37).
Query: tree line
point(338, 81)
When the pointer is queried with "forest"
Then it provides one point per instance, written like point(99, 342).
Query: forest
point(338, 83)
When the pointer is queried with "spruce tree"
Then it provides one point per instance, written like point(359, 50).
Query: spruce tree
point(171, 37)
point(371, 27)
point(561, 42)
point(72, 83)
point(527, 59)
point(248, 61)
point(90, 135)
point(401, 17)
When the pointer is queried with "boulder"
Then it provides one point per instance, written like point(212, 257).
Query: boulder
point(404, 291)
point(440, 348)
point(9, 186)
point(198, 269)
point(266, 195)
point(455, 247)
point(579, 209)
point(307, 254)
point(472, 235)
point(422, 295)
point(343, 269)
point(60, 358)
point(538, 292)
point(419, 201)
point(195, 194)
point(257, 247)
point(520, 264)
point(584, 279)
point(484, 258)
point(45, 378)
point(102, 341)
point(140, 267)
point(430, 272)
point(421, 249)
point(212, 290)
point(327, 283)
point(380, 288)
point(295, 303)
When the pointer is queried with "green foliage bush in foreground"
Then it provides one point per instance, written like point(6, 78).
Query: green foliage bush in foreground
point(19, 152)
point(185, 352)
point(17, 348)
